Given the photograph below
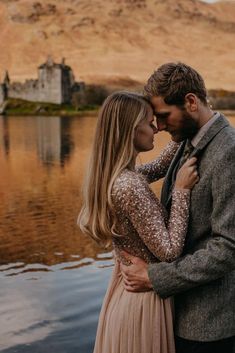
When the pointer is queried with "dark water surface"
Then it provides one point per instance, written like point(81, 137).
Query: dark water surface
point(53, 278)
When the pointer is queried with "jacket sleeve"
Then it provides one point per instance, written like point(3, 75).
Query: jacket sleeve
point(218, 257)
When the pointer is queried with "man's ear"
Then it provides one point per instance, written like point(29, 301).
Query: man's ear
point(191, 102)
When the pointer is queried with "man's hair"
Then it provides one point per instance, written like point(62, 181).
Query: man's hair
point(173, 81)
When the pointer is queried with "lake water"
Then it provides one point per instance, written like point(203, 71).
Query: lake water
point(53, 278)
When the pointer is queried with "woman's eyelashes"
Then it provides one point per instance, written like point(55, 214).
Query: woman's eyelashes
point(153, 126)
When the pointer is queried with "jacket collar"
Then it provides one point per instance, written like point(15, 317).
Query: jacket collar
point(220, 123)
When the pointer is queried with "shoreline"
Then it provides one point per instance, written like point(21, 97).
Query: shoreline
point(63, 114)
point(90, 112)
point(17, 107)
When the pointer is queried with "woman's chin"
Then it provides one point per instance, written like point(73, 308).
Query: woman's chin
point(151, 147)
point(146, 148)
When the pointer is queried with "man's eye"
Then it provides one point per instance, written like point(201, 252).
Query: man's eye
point(162, 116)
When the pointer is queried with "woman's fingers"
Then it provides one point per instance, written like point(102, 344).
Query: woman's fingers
point(191, 161)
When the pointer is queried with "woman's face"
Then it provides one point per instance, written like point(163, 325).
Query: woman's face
point(144, 133)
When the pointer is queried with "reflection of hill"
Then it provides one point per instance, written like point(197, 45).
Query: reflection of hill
point(39, 226)
point(131, 37)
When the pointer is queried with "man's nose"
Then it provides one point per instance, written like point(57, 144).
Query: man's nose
point(161, 125)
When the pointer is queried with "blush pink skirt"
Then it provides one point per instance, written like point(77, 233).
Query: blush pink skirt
point(134, 322)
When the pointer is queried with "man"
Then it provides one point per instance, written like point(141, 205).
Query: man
point(202, 280)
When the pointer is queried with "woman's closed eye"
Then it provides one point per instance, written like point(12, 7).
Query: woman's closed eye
point(154, 127)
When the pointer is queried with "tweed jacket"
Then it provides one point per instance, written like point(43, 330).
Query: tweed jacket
point(202, 280)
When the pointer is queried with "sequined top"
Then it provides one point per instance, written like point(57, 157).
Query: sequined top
point(142, 225)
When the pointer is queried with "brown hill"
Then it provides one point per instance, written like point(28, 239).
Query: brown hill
point(119, 41)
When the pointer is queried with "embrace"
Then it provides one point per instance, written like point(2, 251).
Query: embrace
point(173, 284)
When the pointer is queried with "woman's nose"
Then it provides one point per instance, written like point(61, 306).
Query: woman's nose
point(161, 125)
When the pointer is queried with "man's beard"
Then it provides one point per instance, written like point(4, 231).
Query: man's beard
point(190, 127)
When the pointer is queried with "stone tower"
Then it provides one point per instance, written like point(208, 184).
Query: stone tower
point(55, 82)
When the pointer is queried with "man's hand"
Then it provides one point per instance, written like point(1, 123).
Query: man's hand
point(135, 276)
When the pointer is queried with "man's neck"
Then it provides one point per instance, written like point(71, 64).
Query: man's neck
point(204, 128)
point(205, 115)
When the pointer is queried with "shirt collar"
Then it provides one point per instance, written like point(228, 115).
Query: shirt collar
point(202, 131)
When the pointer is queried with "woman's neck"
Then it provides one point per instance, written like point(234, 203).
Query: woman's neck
point(133, 162)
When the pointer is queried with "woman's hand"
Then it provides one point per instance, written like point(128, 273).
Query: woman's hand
point(187, 175)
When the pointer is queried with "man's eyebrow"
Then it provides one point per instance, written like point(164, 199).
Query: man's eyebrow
point(161, 114)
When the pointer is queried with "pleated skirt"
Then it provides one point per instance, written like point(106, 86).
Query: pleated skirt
point(134, 322)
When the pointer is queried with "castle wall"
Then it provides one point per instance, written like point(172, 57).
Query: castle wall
point(27, 91)
point(55, 84)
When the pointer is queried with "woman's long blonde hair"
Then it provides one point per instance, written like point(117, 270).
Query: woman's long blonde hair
point(113, 151)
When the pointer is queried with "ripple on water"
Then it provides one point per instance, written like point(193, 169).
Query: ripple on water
point(62, 306)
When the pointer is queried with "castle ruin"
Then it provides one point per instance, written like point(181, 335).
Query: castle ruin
point(55, 84)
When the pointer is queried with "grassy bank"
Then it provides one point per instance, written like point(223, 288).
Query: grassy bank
point(20, 107)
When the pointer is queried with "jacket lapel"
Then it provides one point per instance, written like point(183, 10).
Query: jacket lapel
point(220, 123)
point(166, 188)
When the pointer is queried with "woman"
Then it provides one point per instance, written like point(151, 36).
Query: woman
point(119, 206)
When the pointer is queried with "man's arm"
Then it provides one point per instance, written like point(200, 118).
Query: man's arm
point(135, 276)
point(210, 263)
point(218, 257)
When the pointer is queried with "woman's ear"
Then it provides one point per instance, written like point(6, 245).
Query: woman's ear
point(191, 102)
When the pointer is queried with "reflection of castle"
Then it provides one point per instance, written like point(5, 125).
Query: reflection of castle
point(55, 84)
point(4, 135)
point(53, 139)
point(48, 137)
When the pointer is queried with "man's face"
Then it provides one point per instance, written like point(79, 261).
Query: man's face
point(178, 122)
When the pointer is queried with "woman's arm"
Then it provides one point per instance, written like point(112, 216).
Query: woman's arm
point(145, 212)
point(157, 169)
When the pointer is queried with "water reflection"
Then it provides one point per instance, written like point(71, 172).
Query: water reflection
point(49, 139)
point(4, 135)
point(40, 188)
point(53, 278)
point(51, 135)
point(54, 140)
point(39, 200)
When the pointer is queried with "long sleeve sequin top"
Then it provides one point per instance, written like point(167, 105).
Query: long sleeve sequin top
point(157, 169)
point(141, 221)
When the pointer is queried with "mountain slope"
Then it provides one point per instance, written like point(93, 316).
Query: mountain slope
point(118, 41)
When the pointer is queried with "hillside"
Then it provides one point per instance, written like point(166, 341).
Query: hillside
point(118, 41)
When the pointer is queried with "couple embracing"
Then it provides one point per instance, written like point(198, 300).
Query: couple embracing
point(173, 284)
